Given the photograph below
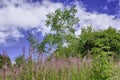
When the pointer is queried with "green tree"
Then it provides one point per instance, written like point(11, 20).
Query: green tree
point(92, 41)
point(62, 23)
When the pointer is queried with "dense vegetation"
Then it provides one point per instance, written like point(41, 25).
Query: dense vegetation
point(4, 60)
point(93, 55)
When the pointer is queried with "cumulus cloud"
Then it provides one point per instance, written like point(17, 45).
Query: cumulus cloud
point(97, 20)
point(19, 14)
point(8, 36)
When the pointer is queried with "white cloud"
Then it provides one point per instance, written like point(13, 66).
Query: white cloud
point(9, 33)
point(23, 16)
point(97, 20)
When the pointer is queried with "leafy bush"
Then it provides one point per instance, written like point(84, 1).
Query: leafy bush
point(101, 67)
point(90, 39)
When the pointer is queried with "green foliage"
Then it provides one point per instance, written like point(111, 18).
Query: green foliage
point(1, 61)
point(62, 24)
point(19, 60)
point(0, 78)
point(4, 59)
point(107, 40)
point(101, 68)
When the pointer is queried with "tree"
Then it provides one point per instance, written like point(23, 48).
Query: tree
point(93, 41)
point(62, 24)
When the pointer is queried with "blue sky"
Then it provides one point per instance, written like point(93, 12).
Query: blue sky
point(19, 17)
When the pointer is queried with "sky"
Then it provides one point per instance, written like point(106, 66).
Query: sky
point(20, 17)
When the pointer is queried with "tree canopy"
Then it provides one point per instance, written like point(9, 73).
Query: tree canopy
point(94, 40)
point(62, 23)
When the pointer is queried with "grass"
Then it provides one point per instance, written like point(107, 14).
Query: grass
point(55, 69)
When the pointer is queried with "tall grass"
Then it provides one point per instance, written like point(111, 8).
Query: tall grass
point(55, 69)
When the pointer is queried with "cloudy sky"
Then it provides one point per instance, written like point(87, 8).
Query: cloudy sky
point(20, 17)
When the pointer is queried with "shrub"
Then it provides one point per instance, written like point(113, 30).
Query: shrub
point(101, 67)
